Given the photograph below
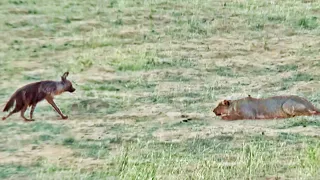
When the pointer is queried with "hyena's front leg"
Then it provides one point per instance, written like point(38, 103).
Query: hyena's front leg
point(50, 101)
point(32, 110)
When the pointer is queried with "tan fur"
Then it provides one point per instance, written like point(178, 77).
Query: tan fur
point(275, 107)
point(60, 90)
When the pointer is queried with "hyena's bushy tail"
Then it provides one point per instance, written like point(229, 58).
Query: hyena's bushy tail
point(10, 103)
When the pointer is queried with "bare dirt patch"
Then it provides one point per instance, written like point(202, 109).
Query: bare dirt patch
point(30, 154)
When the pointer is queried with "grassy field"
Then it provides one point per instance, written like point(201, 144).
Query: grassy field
point(141, 68)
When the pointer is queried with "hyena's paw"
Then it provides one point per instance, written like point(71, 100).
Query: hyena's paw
point(28, 120)
point(64, 117)
point(3, 118)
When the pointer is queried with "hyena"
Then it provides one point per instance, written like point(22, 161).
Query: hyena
point(31, 94)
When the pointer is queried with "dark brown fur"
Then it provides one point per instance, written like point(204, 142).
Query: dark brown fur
point(275, 107)
point(33, 93)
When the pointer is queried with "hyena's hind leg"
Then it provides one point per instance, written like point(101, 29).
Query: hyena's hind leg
point(294, 108)
point(23, 110)
point(25, 106)
point(16, 109)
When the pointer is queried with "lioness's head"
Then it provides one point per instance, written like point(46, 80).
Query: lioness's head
point(223, 108)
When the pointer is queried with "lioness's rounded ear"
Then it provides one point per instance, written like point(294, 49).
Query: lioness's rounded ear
point(226, 102)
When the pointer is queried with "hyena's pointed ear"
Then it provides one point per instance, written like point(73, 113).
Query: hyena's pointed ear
point(64, 76)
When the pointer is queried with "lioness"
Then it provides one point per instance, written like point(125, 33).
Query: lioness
point(275, 107)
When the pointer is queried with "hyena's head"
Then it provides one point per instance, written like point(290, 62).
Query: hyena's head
point(67, 85)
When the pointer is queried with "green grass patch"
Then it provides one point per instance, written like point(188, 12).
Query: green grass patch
point(301, 122)
point(211, 157)
point(42, 127)
point(119, 85)
point(287, 68)
point(148, 61)
point(308, 22)
point(96, 105)
point(301, 77)
point(193, 124)
point(13, 170)
point(95, 148)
